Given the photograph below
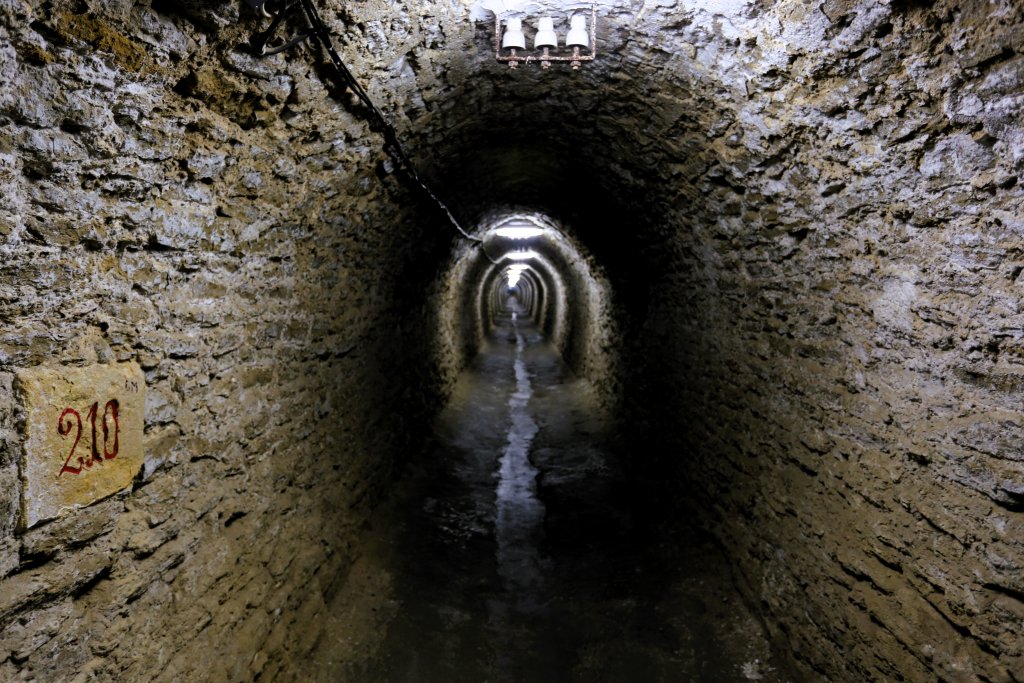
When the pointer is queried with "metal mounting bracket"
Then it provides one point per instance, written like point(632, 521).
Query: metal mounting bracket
point(260, 42)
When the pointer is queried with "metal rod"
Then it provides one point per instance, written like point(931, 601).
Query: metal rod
point(549, 58)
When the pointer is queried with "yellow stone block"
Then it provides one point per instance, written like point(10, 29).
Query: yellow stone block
point(83, 435)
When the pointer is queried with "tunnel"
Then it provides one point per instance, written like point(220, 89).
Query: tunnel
point(740, 291)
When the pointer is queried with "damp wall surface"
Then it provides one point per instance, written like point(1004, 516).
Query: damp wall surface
point(223, 222)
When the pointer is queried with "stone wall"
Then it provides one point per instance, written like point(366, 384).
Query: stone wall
point(839, 335)
point(807, 220)
point(223, 221)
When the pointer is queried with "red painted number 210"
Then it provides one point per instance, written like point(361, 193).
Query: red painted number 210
point(70, 420)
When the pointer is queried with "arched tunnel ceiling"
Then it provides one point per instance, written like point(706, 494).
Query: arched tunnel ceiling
point(688, 103)
point(757, 117)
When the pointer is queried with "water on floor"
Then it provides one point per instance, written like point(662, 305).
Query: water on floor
point(517, 554)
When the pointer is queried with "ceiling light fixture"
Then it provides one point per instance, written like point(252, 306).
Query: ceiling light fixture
point(521, 255)
point(514, 272)
point(508, 43)
point(519, 233)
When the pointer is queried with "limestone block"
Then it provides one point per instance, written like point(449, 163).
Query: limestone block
point(83, 435)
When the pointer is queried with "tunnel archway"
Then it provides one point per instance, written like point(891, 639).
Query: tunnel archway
point(788, 251)
point(573, 299)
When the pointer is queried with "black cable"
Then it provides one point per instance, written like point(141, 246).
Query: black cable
point(393, 145)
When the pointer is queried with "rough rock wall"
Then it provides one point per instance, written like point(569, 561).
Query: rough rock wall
point(840, 328)
point(809, 219)
point(460, 330)
point(221, 220)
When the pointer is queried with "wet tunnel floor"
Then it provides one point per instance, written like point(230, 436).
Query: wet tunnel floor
point(517, 554)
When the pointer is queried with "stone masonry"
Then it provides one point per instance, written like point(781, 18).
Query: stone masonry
point(807, 222)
